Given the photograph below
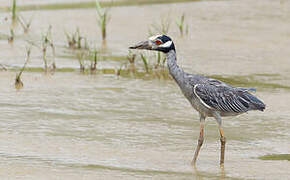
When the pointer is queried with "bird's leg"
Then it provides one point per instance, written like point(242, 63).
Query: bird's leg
point(223, 146)
point(200, 139)
point(222, 139)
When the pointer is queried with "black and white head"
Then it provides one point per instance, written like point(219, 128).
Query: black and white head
point(161, 43)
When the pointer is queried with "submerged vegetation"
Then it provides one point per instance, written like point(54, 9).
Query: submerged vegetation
point(276, 157)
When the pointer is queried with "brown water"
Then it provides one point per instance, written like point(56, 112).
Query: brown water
point(74, 126)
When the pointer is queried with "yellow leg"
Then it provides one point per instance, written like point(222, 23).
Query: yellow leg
point(222, 138)
point(223, 146)
point(200, 140)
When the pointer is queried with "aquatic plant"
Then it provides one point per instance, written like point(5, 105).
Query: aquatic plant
point(80, 39)
point(163, 61)
point(18, 83)
point(180, 24)
point(44, 56)
point(103, 19)
point(160, 28)
point(48, 42)
point(76, 40)
point(131, 58)
point(11, 36)
point(94, 61)
point(145, 62)
point(3, 67)
point(80, 56)
point(71, 40)
point(24, 24)
point(14, 12)
point(158, 60)
point(118, 72)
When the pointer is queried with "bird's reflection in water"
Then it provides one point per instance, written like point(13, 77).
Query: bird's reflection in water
point(196, 173)
point(222, 173)
point(199, 175)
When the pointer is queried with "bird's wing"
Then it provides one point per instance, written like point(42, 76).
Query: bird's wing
point(219, 96)
point(216, 83)
point(220, 83)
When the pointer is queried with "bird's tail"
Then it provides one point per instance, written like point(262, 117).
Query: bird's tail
point(254, 102)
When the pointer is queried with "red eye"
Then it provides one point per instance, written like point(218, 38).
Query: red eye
point(158, 42)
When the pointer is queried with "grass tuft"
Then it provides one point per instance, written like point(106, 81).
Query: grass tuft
point(47, 42)
point(3, 67)
point(14, 12)
point(103, 19)
point(131, 58)
point(145, 62)
point(11, 36)
point(24, 24)
point(80, 57)
point(18, 83)
point(94, 61)
point(183, 29)
point(160, 28)
point(76, 40)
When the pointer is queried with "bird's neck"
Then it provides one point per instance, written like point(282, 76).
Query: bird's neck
point(176, 72)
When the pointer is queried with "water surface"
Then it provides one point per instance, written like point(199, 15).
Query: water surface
point(74, 126)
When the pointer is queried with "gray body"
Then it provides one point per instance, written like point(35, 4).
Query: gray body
point(210, 97)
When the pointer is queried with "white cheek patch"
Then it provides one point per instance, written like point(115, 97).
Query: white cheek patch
point(166, 45)
point(154, 37)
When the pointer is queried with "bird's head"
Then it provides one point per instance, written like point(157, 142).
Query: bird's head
point(161, 43)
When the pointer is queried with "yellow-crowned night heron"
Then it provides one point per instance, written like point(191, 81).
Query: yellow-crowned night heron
point(210, 97)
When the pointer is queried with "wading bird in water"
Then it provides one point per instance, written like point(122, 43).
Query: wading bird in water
point(210, 97)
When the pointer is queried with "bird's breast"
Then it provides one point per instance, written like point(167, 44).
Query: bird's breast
point(195, 102)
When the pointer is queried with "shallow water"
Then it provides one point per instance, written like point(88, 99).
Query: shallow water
point(74, 126)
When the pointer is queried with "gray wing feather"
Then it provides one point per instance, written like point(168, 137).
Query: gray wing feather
point(222, 97)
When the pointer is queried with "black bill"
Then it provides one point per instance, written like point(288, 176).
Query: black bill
point(142, 45)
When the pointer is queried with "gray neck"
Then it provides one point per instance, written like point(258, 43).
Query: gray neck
point(176, 72)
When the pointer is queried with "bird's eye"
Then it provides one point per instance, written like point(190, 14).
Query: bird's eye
point(158, 42)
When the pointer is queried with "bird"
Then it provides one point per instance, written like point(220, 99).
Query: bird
point(209, 97)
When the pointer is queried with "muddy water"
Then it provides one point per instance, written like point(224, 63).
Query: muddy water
point(74, 126)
